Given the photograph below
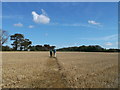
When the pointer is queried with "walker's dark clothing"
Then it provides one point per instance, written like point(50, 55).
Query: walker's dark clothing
point(50, 53)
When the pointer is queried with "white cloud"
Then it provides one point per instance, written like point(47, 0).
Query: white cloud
point(30, 26)
point(42, 18)
point(108, 44)
point(18, 24)
point(93, 22)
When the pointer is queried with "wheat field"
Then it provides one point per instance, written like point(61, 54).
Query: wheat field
point(67, 70)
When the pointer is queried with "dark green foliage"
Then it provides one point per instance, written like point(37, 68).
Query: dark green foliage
point(90, 48)
point(25, 44)
point(6, 48)
point(18, 38)
point(20, 43)
point(36, 48)
point(46, 47)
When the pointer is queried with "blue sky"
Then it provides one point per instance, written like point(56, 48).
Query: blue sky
point(63, 24)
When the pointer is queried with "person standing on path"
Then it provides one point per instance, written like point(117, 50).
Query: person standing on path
point(50, 52)
point(54, 51)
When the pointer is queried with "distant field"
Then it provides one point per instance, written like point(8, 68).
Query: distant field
point(68, 70)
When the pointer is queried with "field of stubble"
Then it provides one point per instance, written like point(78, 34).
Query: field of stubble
point(68, 70)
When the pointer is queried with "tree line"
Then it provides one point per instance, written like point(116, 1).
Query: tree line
point(30, 48)
point(20, 43)
point(90, 48)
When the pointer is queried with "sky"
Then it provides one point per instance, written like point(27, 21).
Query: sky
point(63, 24)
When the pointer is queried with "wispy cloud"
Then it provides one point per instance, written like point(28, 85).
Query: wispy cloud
point(31, 26)
point(74, 25)
point(79, 25)
point(11, 17)
point(111, 45)
point(93, 22)
point(106, 38)
point(42, 18)
point(108, 44)
point(111, 37)
point(18, 24)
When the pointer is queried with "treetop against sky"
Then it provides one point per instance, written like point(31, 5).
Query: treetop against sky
point(63, 23)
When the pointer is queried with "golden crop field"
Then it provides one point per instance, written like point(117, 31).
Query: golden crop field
point(67, 70)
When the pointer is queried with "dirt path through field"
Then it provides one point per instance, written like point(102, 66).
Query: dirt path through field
point(54, 75)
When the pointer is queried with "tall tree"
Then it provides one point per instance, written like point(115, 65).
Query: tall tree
point(25, 44)
point(18, 38)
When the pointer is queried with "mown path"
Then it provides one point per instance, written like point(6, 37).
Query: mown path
point(56, 78)
point(53, 77)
